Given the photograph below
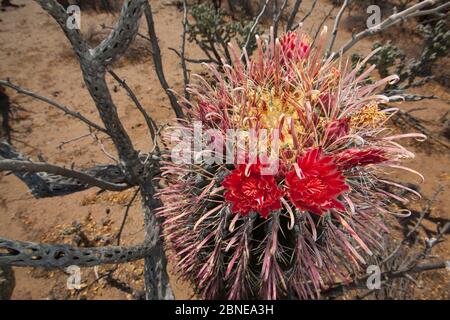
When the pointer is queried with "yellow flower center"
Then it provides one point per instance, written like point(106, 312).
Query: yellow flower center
point(368, 117)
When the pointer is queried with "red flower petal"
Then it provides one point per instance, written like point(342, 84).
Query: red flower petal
point(319, 183)
point(355, 157)
point(247, 190)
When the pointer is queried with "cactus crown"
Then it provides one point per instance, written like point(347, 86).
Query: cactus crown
point(237, 231)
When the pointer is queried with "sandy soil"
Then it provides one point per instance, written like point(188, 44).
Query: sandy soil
point(35, 54)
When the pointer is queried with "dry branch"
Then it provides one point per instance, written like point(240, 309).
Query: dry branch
point(198, 61)
point(413, 11)
point(410, 265)
point(94, 65)
point(254, 25)
point(43, 184)
point(343, 289)
point(290, 21)
point(156, 52)
point(337, 20)
point(151, 125)
point(277, 15)
point(35, 167)
point(183, 50)
point(30, 254)
point(309, 12)
point(58, 13)
point(77, 115)
point(319, 28)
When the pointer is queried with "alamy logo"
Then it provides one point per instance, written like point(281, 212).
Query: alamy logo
point(74, 20)
point(375, 16)
point(374, 280)
point(74, 279)
point(232, 147)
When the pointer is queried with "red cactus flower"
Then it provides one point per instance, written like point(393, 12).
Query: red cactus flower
point(354, 157)
point(319, 183)
point(248, 190)
point(293, 47)
point(296, 89)
point(337, 129)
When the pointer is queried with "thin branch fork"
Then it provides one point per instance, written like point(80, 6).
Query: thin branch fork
point(183, 50)
point(336, 26)
point(253, 27)
point(309, 12)
point(104, 26)
point(277, 15)
point(431, 11)
point(43, 184)
point(199, 61)
point(156, 52)
point(293, 14)
point(151, 125)
point(35, 167)
point(93, 64)
point(313, 5)
point(414, 122)
point(58, 12)
point(77, 115)
point(342, 289)
point(403, 272)
point(319, 28)
point(125, 215)
point(31, 254)
point(413, 11)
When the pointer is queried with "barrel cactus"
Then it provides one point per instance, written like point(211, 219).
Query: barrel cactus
point(302, 208)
